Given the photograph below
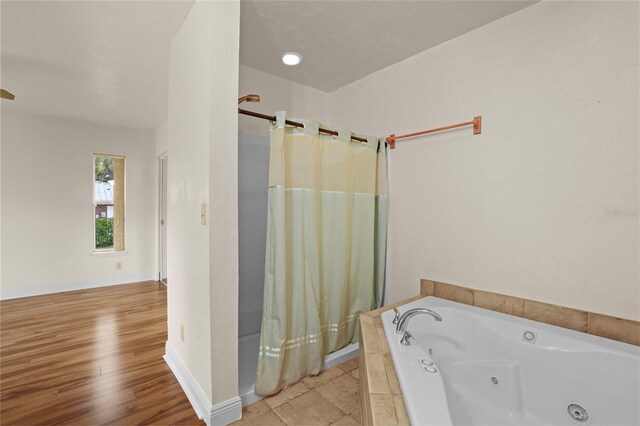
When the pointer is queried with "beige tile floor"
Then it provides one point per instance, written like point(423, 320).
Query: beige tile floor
point(330, 398)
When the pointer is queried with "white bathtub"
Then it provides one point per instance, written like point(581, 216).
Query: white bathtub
point(487, 372)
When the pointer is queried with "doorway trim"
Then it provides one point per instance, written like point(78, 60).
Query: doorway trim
point(160, 218)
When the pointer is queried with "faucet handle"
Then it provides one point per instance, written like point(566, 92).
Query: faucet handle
point(396, 318)
point(406, 339)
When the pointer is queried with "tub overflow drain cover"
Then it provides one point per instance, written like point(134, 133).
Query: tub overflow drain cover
point(577, 413)
point(529, 336)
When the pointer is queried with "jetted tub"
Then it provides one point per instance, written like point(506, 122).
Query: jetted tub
point(479, 367)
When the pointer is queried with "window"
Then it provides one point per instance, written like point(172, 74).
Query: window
point(108, 202)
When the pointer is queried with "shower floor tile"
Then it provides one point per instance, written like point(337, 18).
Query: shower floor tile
point(350, 365)
point(330, 398)
point(326, 376)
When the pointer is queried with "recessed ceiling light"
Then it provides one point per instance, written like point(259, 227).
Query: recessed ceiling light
point(292, 58)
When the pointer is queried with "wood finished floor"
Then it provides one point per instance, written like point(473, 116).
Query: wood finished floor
point(89, 357)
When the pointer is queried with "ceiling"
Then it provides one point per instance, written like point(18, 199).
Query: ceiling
point(107, 61)
point(103, 61)
point(342, 41)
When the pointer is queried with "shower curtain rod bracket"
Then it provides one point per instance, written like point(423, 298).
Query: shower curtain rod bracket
point(477, 125)
point(391, 141)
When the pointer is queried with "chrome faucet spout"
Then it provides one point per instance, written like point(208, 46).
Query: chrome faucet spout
point(403, 322)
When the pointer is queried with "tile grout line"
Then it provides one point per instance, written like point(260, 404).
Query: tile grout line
point(308, 390)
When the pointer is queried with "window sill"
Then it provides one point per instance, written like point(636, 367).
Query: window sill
point(108, 253)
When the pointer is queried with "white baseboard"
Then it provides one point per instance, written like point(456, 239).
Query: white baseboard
point(222, 413)
point(226, 412)
point(15, 293)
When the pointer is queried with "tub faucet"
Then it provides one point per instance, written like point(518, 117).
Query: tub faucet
point(396, 316)
point(403, 322)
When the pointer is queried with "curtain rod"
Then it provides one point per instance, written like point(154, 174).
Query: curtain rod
point(272, 118)
point(476, 123)
point(390, 141)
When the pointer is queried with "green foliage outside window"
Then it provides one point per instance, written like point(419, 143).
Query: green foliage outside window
point(104, 168)
point(104, 232)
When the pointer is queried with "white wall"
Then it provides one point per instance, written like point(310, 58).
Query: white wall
point(223, 193)
point(162, 139)
point(278, 94)
point(543, 204)
point(202, 144)
point(47, 204)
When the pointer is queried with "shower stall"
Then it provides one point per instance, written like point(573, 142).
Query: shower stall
point(253, 184)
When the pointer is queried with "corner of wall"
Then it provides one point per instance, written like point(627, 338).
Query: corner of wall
point(202, 238)
point(222, 413)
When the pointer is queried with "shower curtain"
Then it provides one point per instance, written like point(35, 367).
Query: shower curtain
point(326, 248)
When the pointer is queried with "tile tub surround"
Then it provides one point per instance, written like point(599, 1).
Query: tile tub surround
point(330, 398)
point(622, 330)
point(381, 400)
